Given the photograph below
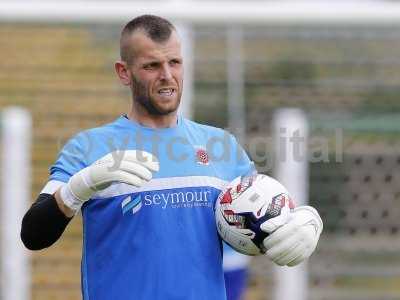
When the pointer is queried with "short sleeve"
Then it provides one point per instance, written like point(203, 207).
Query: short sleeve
point(70, 160)
point(243, 163)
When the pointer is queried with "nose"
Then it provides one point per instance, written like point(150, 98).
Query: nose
point(166, 73)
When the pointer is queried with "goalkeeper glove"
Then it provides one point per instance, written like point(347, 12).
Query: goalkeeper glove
point(130, 167)
point(295, 240)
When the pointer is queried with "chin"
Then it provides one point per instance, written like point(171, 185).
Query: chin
point(167, 108)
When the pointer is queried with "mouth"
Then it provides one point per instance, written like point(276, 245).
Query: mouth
point(166, 92)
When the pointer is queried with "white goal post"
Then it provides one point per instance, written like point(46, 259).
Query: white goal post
point(290, 136)
point(15, 197)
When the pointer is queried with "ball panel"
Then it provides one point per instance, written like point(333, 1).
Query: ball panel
point(238, 239)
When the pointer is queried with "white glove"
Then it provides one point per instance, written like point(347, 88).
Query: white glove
point(130, 166)
point(295, 240)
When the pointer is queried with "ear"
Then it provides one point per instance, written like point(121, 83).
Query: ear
point(121, 68)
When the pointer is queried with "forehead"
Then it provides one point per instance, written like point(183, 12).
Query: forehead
point(144, 48)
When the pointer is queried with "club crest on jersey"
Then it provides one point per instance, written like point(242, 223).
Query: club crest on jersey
point(131, 205)
point(202, 156)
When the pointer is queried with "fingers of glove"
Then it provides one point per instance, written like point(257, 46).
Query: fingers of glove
point(282, 248)
point(308, 235)
point(114, 159)
point(281, 234)
point(144, 158)
point(136, 169)
point(273, 224)
point(289, 233)
point(309, 244)
point(125, 177)
point(301, 257)
point(291, 255)
point(108, 172)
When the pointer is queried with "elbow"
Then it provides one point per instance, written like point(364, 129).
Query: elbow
point(28, 237)
point(43, 223)
point(29, 244)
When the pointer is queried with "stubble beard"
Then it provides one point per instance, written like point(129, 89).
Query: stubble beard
point(140, 96)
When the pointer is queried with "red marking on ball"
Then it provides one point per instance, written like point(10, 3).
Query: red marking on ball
point(227, 198)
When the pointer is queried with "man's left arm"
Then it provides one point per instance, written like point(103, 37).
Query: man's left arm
point(294, 235)
point(294, 241)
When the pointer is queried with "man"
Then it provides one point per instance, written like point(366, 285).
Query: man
point(146, 185)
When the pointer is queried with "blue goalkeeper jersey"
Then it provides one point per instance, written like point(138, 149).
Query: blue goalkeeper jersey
point(159, 241)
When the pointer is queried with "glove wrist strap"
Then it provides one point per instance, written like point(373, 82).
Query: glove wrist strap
point(69, 199)
point(311, 211)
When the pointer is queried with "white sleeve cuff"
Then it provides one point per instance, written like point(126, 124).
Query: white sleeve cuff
point(52, 186)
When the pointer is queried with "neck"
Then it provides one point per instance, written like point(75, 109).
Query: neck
point(152, 121)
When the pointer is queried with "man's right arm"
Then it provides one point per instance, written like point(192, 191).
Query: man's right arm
point(48, 217)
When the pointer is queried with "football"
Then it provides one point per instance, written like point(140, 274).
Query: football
point(243, 205)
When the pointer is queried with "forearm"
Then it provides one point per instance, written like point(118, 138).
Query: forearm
point(43, 223)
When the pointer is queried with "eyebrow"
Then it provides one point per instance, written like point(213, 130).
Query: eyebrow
point(156, 60)
point(149, 62)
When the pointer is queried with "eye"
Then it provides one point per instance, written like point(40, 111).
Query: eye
point(174, 62)
point(151, 66)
